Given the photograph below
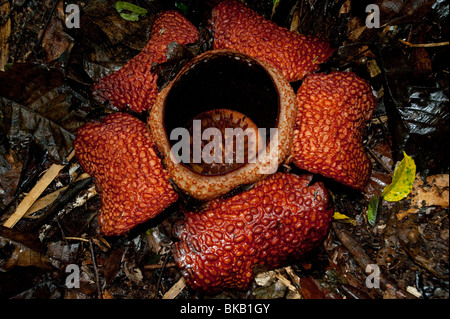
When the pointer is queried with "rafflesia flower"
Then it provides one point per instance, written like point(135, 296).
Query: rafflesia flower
point(134, 85)
point(282, 216)
point(333, 110)
point(278, 220)
point(133, 185)
point(239, 28)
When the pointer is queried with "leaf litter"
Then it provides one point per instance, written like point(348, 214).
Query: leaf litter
point(45, 98)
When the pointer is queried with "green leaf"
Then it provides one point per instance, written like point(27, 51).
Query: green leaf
point(129, 11)
point(372, 210)
point(404, 176)
point(275, 5)
point(182, 7)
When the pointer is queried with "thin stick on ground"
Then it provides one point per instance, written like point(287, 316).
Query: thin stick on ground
point(97, 277)
point(158, 284)
point(35, 192)
point(424, 45)
point(157, 266)
point(175, 289)
point(50, 198)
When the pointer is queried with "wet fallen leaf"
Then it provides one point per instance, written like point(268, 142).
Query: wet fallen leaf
point(10, 171)
point(433, 192)
point(49, 135)
point(377, 182)
point(63, 251)
point(20, 249)
point(417, 104)
point(403, 11)
point(310, 289)
point(38, 105)
point(112, 265)
point(97, 71)
point(102, 15)
point(55, 41)
point(344, 218)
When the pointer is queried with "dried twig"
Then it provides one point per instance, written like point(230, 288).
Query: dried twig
point(379, 161)
point(97, 277)
point(424, 45)
point(157, 266)
point(175, 289)
point(50, 198)
point(35, 192)
point(158, 283)
point(77, 238)
point(55, 4)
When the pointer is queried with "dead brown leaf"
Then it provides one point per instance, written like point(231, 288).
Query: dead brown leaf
point(55, 41)
point(5, 32)
point(9, 177)
point(22, 249)
point(433, 192)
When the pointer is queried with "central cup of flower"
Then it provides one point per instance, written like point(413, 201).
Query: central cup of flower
point(218, 141)
point(224, 121)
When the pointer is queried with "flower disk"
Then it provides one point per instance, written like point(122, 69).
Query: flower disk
point(239, 28)
point(282, 217)
point(134, 85)
point(132, 182)
point(332, 113)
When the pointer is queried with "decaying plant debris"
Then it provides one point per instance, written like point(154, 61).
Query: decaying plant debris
point(49, 205)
